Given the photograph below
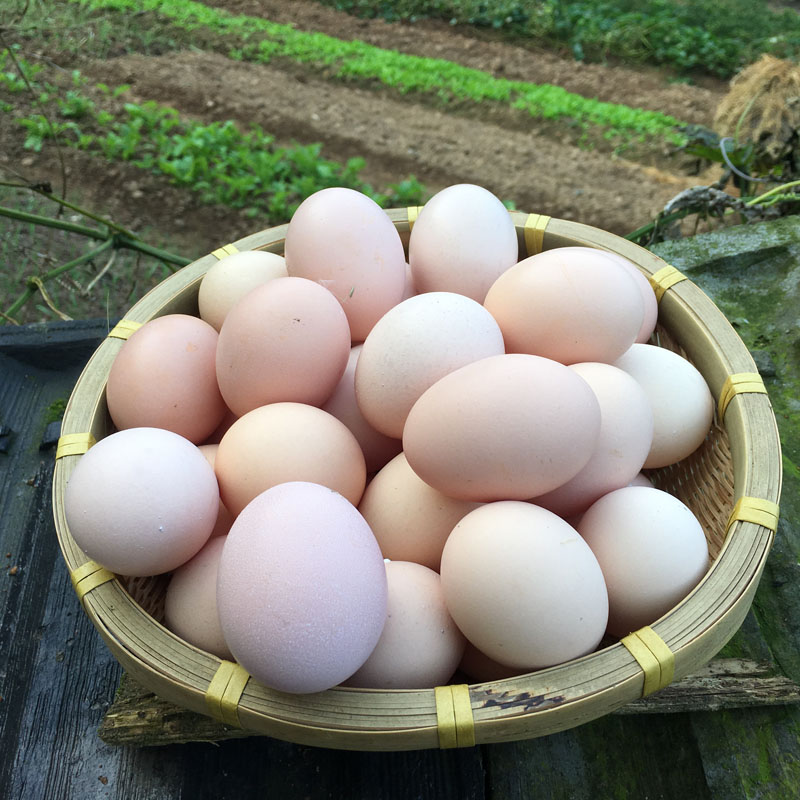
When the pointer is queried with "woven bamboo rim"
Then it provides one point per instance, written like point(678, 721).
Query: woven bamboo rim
point(740, 459)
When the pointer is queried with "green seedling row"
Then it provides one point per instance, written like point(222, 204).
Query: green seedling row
point(263, 40)
point(218, 161)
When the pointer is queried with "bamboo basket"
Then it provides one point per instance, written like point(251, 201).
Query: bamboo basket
point(732, 483)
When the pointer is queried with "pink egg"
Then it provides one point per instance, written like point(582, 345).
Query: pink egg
point(286, 340)
point(523, 586)
point(652, 551)
point(231, 278)
point(141, 501)
point(626, 434)
point(301, 588)
point(164, 377)
point(462, 241)
point(683, 407)
point(648, 297)
point(378, 448)
point(569, 304)
point(190, 602)
point(283, 442)
point(420, 646)
point(410, 519)
point(224, 517)
point(504, 427)
point(414, 344)
point(344, 240)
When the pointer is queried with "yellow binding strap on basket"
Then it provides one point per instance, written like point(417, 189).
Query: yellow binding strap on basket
point(755, 510)
point(654, 657)
point(739, 383)
point(89, 576)
point(124, 328)
point(225, 691)
point(74, 444)
point(454, 716)
point(535, 226)
point(413, 213)
point(225, 250)
point(663, 279)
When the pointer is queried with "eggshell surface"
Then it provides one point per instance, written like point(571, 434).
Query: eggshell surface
point(141, 501)
point(301, 588)
point(626, 434)
point(523, 586)
point(652, 551)
point(224, 517)
point(410, 519)
point(378, 448)
point(344, 240)
point(505, 427)
point(462, 241)
point(414, 344)
point(569, 304)
point(190, 602)
point(284, 442)
point(420, 646)
point(231, 278)
point(164, 377)
point(285, 341)
point(683, 407)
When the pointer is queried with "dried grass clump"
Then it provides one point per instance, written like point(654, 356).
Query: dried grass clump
point(763, 106)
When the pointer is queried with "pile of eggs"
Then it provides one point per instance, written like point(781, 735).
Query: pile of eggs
point(366, 472)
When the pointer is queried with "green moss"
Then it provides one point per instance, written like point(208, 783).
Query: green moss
point(55, 411)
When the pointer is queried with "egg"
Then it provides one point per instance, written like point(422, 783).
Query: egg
point(569, 304)
point(231, 278)
point(652, 551)
point(190, 602)
point(343, 240)
point(285, 341)
point(650, 317)
point(164, 376)
point(301, 588)
point(141, 501)
point(626, 434)
point(414, 344)
point(505, 427)
point(683, 407)
point(420, 646)
point(410, 519)
point(523, 586)
point(283, 442)
point(462, 241)
point(478, 666)
point(378, 448)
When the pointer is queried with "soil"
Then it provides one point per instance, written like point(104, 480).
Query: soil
point(518, 159)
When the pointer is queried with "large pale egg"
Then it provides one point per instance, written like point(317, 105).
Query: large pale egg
point(652, 551)
point(570, 304)
point(286, 340)
point(284, 442)
point(301, 588)
point(343, 240)
point(420, 646)
point(164, 377)
point(626, 434)
point(523, 586)
point(231, 278)
point(410, 519)
point(378, 448)
point(413, 345)
point(190, 602)
point(480, 668)
point(650, 317)
point(505, 427)
point(462, 241)
point(141, 501)
point(683, 407)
